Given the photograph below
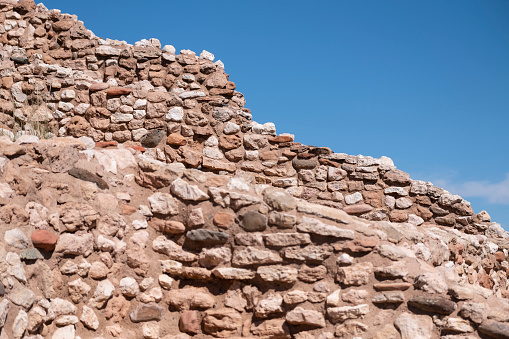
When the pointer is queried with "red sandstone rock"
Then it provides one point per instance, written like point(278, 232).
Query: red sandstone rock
point(63, 25)
point(167, 226)
point(99, 86)
point(128, 210)
point(189, 322)
point(137, 148)
point(118, 91)
point(104, 144)
point(499, 256)
point(44, 239)
point(281, 138)
point(358, 209)
point(176, 139)
point(223, 220)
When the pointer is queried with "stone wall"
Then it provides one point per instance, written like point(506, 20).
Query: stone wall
point(168, 206)
point(56, 73)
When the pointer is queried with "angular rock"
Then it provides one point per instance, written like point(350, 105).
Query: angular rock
point(433, 304)
point(222, 323)
point(355, 275)
point(414, 326)
point(340, 314)
point(278, 273)
point(301, 316)
point(315, 226)
point(187, 192)
point(146, 312)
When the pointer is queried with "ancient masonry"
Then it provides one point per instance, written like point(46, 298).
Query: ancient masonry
point(139, 200)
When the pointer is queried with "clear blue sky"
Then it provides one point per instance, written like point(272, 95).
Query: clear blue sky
point(423, 82)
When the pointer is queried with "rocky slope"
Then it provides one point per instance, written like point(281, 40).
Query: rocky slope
point(157, 208)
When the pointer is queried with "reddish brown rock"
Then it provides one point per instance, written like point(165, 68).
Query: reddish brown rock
point(104, 144)
point(99, 86)
point(44, 239)
point(63, 25)
point(137, 148)
point(397, 178)
point(398, 216)
point(358, 209)
point(189, 322)
point(128, 210)
point(499, 256)
point(118, 91)
point(167, 226)
point(223, 220)
point(175, 139)
point(392, 286)
point(281, 138)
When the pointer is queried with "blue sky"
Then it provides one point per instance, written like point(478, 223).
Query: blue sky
point(423, 82)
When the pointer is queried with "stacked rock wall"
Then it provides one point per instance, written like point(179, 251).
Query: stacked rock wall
point(170, 207)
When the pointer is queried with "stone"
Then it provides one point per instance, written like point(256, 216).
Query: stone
point(146, 312)
point(309, 253)
point(174, 251)
point(153, 138)
point(16, 238)
point(270, 305)
point(245, 256)
point(20, 324)
point(98, 270)
point(287, 239)
point(340, 314)
point(190, 297)
point(431, 282)
point(495, 329)
point(187, 192)
point(476, 312)
point(59, 307)
point(274, 328)
point(5, 305)
point(230, 273)
point(253, 221)
point(389, 298)
point(207, 236)
point(312, 274)
point(278, 273)
point(129, 287)
point(315, 226)
point(163, 203)
point(461, 292)
point(103, 292)
point(21, 296)
point(456, 325)
point(358, 209)
point(189, 322)
point(64, 332)
point(150, 331)
point(301, 316)
point(89, 318)
point(355, 297)
point(222, 323)
point(75, 244)
point(351, 328)
point(414, 326)
point(279, 200)
point(44, 240)
point(353, 198)
point(214, 256)
point(223, 220)
point(355, 275)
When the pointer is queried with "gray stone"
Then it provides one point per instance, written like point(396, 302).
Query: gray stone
point(495, 329)
point(208, 236)
point(433, 304)
point(253, 221)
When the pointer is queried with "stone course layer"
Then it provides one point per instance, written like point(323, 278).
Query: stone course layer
point(138, 199)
